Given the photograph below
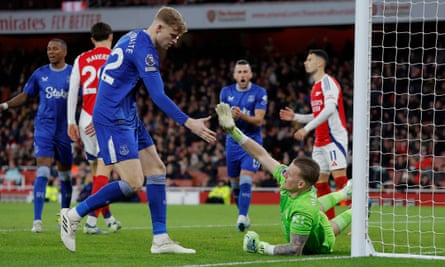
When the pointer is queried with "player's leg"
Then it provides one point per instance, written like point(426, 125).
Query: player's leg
point(102, 176)
point(44, 153)
point(248, 168)
point(320, 155)
point(118, 145)
point(233, 165)
point(155, 177)
point(234, 187)
point(342, 221)
point(338, 166)
point(90, 226)
point(91, 151)
point(39, 190)
point(64, 160)
point(341, 180)
point(131, 181)
point(66, 185)
point(334, 198)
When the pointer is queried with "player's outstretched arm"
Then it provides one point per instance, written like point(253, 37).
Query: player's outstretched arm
point(253, 244)
point(198, 127)
point(293, 248)
point(287, 114)
point(14, 102)
point(253, 148)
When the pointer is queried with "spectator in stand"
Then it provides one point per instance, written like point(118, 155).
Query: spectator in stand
point(329, 122)
point(51, 142)
point(13, 173)
point(220, 194)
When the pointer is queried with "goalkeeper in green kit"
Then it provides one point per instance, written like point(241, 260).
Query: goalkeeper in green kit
point(306, 227)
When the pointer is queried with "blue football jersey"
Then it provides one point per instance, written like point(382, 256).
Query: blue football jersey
point(248, 101)
point(51, 85)
point(134, 57)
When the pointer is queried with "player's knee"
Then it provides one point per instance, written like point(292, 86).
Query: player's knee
point(43, 171)
point(127, 189)
point(245, 179)
point(161, 168)
point(156, 179)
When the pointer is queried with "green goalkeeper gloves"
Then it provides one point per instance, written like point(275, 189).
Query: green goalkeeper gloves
point(252, 244)
point(225, 116)
point(265, 248)
point(228, 124)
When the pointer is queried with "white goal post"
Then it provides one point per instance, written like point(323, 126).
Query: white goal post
point(399, 129)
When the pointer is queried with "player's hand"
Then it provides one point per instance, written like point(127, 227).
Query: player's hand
point(262, 247)
point(300, 134)
point(225, 116)
point(198, 127)
point(236, 112)
point(251, 242)
point(89, 130)
point(287, 114)
point(73, 132)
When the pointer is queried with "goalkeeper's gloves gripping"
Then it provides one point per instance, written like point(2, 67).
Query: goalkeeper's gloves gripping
point(265, 248)
point(251, 242)
point(228, 124)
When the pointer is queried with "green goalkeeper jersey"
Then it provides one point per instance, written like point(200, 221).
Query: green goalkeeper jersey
point(302, 216)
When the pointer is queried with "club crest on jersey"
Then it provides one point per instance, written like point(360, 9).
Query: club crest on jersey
point(150, 62)
point(251, 98)
point(123, 150)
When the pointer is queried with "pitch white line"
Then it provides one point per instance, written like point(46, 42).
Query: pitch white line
point(53, 228)
point(291, 259)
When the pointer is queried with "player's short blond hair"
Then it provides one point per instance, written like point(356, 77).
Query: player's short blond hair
point(172, 18)
point(309, 169)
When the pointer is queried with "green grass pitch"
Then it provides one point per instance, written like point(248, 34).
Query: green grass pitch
point(210, 229)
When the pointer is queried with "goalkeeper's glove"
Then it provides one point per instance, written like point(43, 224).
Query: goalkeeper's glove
point(228, 124)
point(251, 242)
point(265, 248)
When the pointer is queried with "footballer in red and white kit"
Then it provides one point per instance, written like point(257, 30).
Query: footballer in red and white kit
point(331, 137)
point(85, 76)
point(328, 120)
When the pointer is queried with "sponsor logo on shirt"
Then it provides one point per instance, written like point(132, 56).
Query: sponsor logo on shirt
point(52, 92)
point(230, 98)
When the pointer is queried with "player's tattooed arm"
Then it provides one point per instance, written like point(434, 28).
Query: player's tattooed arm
point(295, 246)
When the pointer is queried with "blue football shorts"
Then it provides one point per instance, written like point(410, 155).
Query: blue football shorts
point(118, 142)
point(58, 148)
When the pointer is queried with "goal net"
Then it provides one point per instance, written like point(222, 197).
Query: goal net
point(399, 129)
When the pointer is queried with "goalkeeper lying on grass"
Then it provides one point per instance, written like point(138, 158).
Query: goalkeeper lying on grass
point(306, 227)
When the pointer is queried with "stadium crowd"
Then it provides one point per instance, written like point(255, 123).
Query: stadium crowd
point(193, 80)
